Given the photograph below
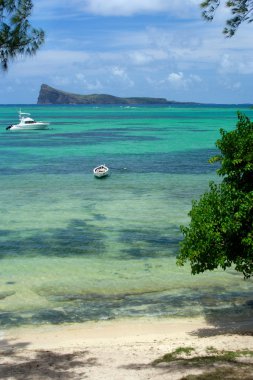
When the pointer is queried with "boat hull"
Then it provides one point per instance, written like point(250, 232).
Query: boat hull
point(101, 171)
point(101, 175)
point(19, 127)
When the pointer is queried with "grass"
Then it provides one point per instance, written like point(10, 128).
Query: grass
point(174, 355)
point(216, 365)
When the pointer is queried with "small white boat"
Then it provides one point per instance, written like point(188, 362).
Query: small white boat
point(101, 171)
point(27, 123)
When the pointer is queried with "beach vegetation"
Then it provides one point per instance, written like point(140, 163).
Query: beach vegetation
point(188, 356)
point(215, 364)
point(220, 232)
point(241, 11)
point(174, 355)
point(17, 36)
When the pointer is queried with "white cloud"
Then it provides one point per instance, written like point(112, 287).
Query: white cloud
point(82, 80)
point(147, 56)
point(131, 7)
point(232, 63)
point(179, 80)
point(121, 74)
point(226, 63)
point(187, 8)
point(124, 7)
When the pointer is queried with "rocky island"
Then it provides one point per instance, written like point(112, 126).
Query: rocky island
point(50, 95)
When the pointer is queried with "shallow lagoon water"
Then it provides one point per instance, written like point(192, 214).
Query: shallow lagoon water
point(75, 248)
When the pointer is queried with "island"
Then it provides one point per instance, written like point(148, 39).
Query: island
point(50, 95)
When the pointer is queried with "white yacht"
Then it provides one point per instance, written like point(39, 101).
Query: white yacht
point(27, 123)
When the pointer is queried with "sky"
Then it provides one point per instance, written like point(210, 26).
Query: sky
point(154, 48)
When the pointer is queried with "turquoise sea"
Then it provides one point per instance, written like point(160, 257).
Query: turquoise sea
point(74, 248)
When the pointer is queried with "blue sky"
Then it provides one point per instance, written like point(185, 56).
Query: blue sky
point(156, 48)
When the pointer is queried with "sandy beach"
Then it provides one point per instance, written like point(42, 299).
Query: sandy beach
point(123, 349)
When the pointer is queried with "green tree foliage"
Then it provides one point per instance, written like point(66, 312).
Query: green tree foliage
point(241, 10)
point(220, 233)
point(17, 36)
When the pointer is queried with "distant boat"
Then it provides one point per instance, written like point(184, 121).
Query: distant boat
point(27, 123)
point(101, 171)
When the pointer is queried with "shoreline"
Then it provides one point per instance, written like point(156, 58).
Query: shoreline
point(101, 332)
point(115, 349)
